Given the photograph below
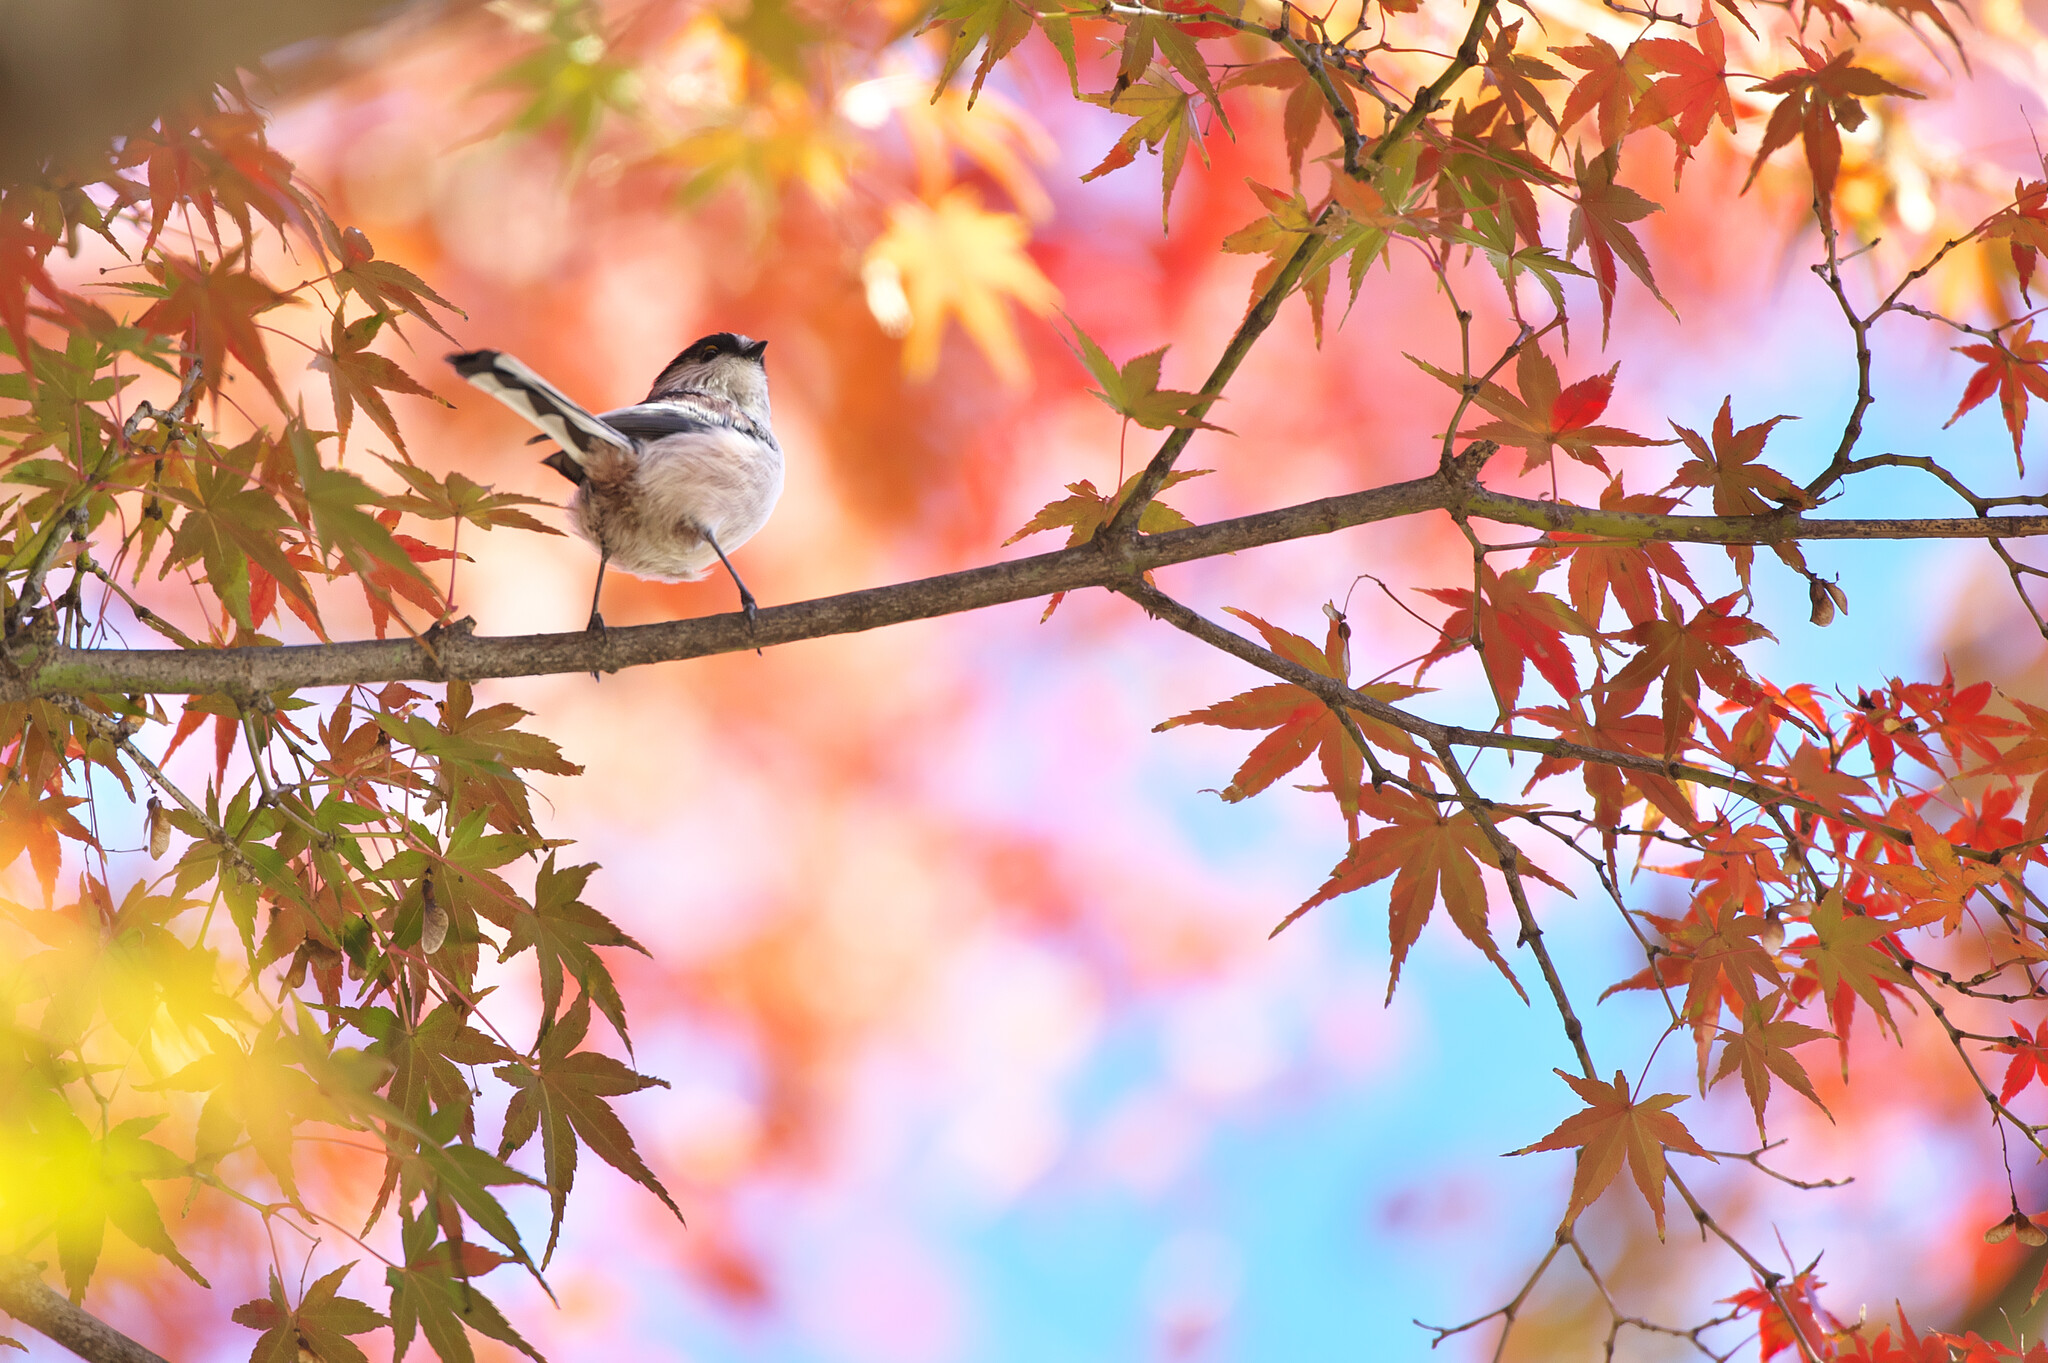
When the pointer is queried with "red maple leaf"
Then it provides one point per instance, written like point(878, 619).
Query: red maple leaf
point(1602, 565)
point(1688, 655)
point(1433, 851)
point(1546, 417)
point(1606, 87)
point(1696, 90)
point(2012, 369)
point(1516, 623)
point(1600, 220)
point(1822, 100)
point(215, 308)
point(2029, 1063)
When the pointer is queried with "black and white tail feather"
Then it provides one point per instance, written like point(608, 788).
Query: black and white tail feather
point(666, 486)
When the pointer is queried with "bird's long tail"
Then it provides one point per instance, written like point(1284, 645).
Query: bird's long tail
point(540, 402)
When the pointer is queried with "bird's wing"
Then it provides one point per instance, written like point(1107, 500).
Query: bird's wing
point(647, 421)
point(533, 397)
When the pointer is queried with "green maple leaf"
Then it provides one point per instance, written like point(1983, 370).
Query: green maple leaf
point(562, 1096)
point(563, 933)
point(1845, 951)
point(461, 498)
point(321, 1323)
point(1084, 511)
point(1163, 120)
point(1133, 390)
point(229, 523)
point(432, 1295)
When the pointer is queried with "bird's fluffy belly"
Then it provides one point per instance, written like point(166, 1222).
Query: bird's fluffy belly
point(649, 509)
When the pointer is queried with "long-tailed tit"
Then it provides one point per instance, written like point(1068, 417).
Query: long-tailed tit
point(666, 487)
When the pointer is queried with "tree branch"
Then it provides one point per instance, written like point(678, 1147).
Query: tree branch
point(41, 668)
point(25, 1296)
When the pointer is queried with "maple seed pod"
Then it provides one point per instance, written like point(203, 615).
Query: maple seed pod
point(1773, 935)
point(2028, 1230)
point(159, 829)
point(434, 928)
point(2002, 1232)
point(1823, 602)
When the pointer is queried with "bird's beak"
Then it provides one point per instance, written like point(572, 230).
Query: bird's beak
point(755, 351)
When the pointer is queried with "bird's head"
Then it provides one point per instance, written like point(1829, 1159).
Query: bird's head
point(725, 364)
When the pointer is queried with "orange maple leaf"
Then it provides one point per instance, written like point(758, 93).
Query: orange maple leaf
point(1302, 722)
point(1614, 1126)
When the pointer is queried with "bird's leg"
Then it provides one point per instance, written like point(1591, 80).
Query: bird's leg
point(596, 625)
point(746, 597)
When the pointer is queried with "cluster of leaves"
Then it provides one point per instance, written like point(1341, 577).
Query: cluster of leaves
point(1837, 859)
point(370, 848)
point(305, 968)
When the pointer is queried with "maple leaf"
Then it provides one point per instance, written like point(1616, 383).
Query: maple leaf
point(215, 308)
point(1821, 101)
point(1777, 1333)
point(432, 1295)
point(1724, 959)
point(1601, 214)
point(459, 497)
point(996, 26)
point(1694, 92)
point(563, 933)
point(355, 373)
point(2029, 1064)
point(1613, 731)
point(23, 250)
point(1517, 623)
point(1432, 856)
point(258, 1088)
point(1163, 120)
point(424, 1056)
point(1689, 654)
point(1084, 511)
point(2012, 369)
point(1545, 417)
point(320, 1324)
point(36, 818)
point(1608, 86)
point(1302, 722)
point(958, 259)
point(2023, 226)
point(1289, 222)
point(1514, 75)
point(1742, 486)
point(75, 1184)
point(230, 523)
point(1629, 572)
point(562, 1095)
point(1305, 108)
point(1133, 391)
point(1941, 885)
point(385, 285)
point(1175, 43)
point(1764, 1048)
point(1615, 1126)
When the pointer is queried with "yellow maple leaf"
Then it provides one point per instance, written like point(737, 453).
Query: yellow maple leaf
point(958, 258)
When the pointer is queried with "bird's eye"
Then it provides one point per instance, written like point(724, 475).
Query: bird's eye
point(709, 352)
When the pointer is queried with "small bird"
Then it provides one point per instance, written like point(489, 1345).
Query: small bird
point(670, 485)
